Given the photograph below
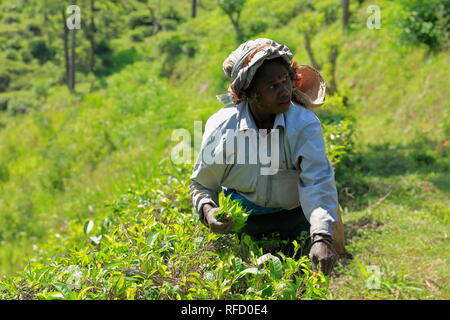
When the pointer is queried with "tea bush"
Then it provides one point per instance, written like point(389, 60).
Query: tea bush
point(151, 245)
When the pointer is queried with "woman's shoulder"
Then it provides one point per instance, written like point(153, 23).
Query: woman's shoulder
point(226, 116)
point(298, 117)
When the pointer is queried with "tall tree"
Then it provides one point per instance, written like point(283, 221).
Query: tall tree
point(309, 50)
point(233, 9)
point(90, 35)
point(66, 46)
point(332, 88)
point(345, 13)
point(194, 9)
point(310, 22)
point(156, 25)
point(72, 65)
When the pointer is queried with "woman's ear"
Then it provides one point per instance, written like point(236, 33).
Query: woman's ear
point(291, 74)
point(252, 98)
point(246, 95)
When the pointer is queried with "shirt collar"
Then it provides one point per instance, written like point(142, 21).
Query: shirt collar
point(246, 120)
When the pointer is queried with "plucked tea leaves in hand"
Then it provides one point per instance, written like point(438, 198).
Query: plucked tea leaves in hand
point(237, 213)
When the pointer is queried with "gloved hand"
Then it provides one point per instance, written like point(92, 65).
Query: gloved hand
point(322, 253)
point(213, 224)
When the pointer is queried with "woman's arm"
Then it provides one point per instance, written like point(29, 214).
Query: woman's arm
point(318, 195)
point(206, 179)
point(202, 196)
point(317, 188)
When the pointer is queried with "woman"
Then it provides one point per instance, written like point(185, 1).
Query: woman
point(269, 95)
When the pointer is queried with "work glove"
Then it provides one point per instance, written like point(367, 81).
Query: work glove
point(322, 253)
point(216, 226)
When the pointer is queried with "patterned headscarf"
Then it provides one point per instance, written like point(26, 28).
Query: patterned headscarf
point(242, 64)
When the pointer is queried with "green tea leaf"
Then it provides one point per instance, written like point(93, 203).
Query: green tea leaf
point(151, 238)
point(233, 208)
point(249, 270)
point(96, 239)
point(88, 227)
point(276, 268)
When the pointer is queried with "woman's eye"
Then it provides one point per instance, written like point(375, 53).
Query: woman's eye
point(285, 80)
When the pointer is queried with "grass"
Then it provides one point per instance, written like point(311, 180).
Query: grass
point(398, 227)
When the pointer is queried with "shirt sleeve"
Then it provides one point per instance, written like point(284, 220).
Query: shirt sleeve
point(201, 195)
point(317, 188)
point(208, 173)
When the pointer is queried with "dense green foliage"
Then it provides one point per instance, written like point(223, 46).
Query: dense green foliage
point(63, 155)
point(150, 246)
point(427, 22)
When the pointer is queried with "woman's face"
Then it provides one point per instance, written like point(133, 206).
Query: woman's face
point(271, 88)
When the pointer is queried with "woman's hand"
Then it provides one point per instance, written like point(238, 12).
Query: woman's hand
point(322, 253)
point(213, 224)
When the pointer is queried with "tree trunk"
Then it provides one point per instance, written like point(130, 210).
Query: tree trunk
point(72, 62)
point(310, 51)
point(91, 38)
point(156, 26)
point(345, 13)
point(194, 8)
point(235, 23)
point(333, 58)
point(240, 35)
point(66, 48)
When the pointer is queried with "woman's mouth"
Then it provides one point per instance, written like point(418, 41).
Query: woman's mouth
point(285, 103)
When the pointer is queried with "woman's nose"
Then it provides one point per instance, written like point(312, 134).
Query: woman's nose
point(286, 89)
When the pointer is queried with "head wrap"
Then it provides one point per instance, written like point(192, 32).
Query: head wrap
point(242, 64)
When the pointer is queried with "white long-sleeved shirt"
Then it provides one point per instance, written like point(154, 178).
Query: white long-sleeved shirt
point(304, 177)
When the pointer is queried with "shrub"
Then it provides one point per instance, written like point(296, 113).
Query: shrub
point(168, 24)
point(426, 22)
point(338, 127)
point(123, 57)
point(39, 50)
point(4, 172)
point(4, 103)
point(151, 247)
point(174, 45)
point(26, 56)
point(4, 81)
point(172, 14)
point(257, 26)
point(19, 106)
point(12, 55)
point(423, 158)
point(141, 18)
point(12, 18)
point(137, 35)
point(114, 61)
point(41, 88)
point(35, 29)
point(178, 43)
point(104, 53)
